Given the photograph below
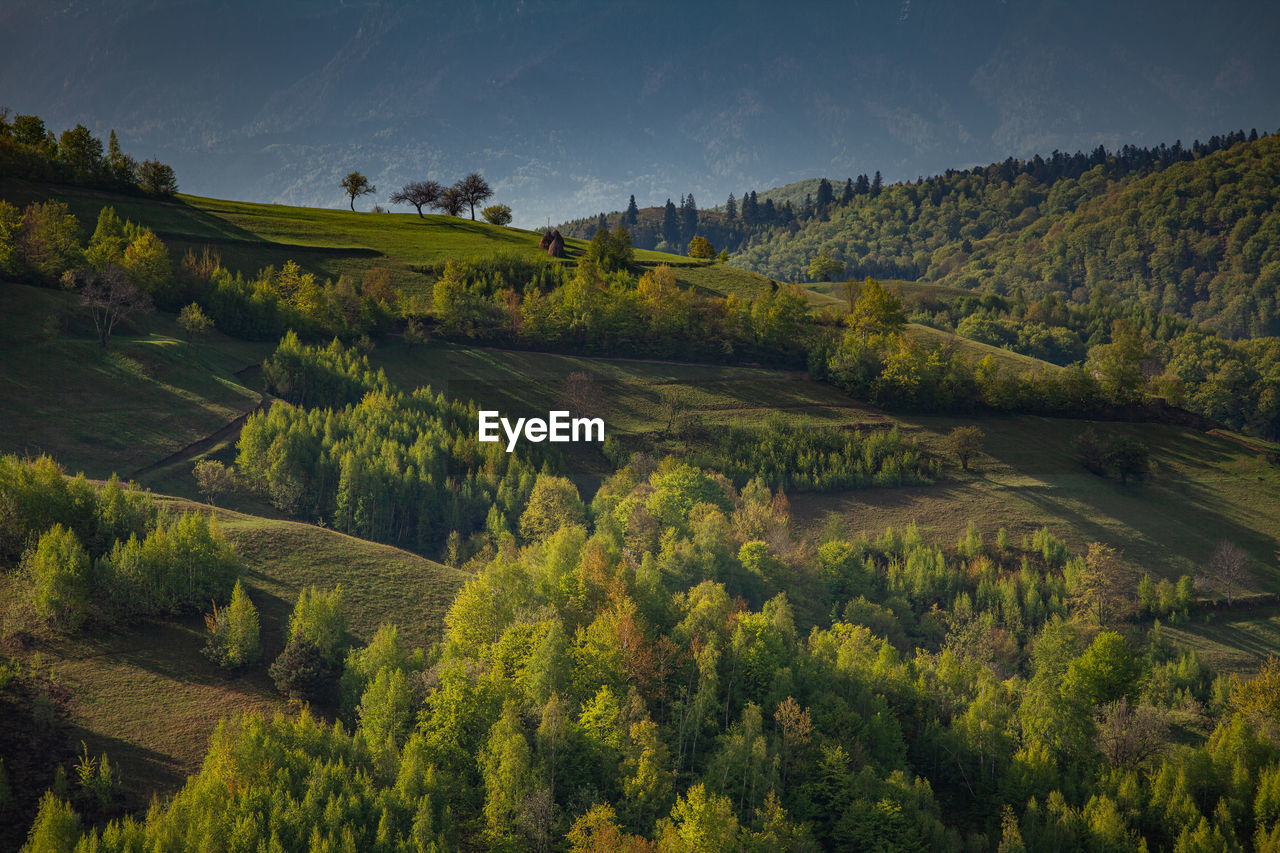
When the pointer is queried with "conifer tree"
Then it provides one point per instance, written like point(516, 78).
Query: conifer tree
point(671, 225)
point(825, 194)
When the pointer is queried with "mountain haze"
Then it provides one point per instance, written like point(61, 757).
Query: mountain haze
point(570, 108)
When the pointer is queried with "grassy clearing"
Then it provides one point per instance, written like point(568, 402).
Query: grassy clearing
point(149, 699)
point(145, 397)
point(1237, 640)
point(1006, 359)
point(632, 391)
point(1204, 489)
point(913, 293)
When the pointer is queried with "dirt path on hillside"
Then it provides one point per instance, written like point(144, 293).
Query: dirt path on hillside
point(1242, 441)
point(202, 444)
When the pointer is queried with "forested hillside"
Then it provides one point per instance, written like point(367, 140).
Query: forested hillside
point(1189, 231)
point(1025, 597)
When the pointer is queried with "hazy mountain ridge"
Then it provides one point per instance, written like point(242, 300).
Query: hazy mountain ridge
point(567, 110)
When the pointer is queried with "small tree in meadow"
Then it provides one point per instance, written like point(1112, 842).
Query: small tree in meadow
point(356, 185)
point(213, 479)
point(416, 333)
point(824, 267)
point(301, 673)
point(420, 194)
point(194, 322)
point(581, 395)
point(497, 214)
point(60, 578)
point(965, 442)
point(234, 639)
point(473, 190)
point(1229, 569)
point(700, 247)
point(451, 202)
point(111, 298)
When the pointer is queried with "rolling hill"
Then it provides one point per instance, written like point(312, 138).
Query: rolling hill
point(154, 403)
point(328, 243)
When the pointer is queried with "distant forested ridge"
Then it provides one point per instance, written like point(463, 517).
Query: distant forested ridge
point(1188, 230)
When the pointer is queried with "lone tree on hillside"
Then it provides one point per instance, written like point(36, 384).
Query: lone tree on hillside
point(451, 201)
point(581, 395)
point(1229, 569)
point(194, 321)
point(110, 298)
point(1101, 590)
point(877, 310)
point(474, 189)
point(700, 247)
point(356, 185)
point(213, 479)
point(420, 194)
point(497, 214)
point(965, 442)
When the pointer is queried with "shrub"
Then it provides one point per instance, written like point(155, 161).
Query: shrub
point(194, 321)
point(213, 479)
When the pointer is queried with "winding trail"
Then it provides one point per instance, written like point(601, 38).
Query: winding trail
point(213, 439)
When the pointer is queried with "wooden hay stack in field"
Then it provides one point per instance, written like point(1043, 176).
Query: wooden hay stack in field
point(556, 247)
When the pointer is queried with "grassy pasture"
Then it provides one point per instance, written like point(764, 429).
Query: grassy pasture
point(330, 243)
point(146, 396)
point(1204, 489)
point(1014, 362)
point(632, 390)
point(913, 293)
point(147, 696)
point(1237, 640)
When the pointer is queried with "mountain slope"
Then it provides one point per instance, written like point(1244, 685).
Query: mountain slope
point(1199, 239)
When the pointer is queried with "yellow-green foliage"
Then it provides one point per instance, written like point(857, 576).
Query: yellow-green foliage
point(180, 564)
point(61, 579)
point(320, 618)
point(234, 639)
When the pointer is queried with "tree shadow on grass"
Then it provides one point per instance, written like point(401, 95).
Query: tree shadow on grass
point(1173, 514)
point(143, 772)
